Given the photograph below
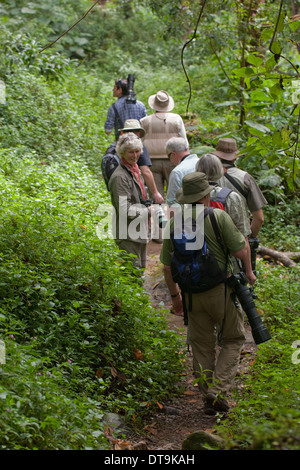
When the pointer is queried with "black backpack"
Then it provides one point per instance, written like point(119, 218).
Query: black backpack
point(196, 270)
point(110, 162)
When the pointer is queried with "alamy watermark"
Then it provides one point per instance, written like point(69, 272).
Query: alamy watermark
point(137, 221)
point(2, 352)
point(2, 92)
point(296, 354)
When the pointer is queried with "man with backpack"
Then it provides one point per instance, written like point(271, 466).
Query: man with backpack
point(212, 314)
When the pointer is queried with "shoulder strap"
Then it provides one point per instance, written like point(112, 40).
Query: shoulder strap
point(215, 226)
point(217, 231)
point(117, 114)
point(223, 194)
point(235, 184)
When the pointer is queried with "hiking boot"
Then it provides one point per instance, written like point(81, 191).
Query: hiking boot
point(216, 403)
point(209, 410)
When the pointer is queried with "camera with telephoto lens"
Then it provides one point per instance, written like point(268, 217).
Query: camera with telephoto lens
point(131, 97)
point(238, 284)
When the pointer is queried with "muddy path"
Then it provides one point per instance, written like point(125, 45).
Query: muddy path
point(170, 425)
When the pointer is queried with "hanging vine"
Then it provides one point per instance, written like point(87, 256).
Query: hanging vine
point(182, 52)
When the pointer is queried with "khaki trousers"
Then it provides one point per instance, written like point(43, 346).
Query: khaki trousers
point(216, 371)
point(161, 169)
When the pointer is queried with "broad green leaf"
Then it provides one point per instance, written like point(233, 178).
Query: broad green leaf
point(259, 95)
point(276, 91)
point(294, 25)
point(276, 47)
point(254, 60)
point(244, 72)
point(266, 34)
point(257, 126)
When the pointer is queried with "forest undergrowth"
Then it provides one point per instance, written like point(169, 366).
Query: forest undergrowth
point(79, 337)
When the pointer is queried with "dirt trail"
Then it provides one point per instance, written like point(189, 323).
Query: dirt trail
point(167, 429)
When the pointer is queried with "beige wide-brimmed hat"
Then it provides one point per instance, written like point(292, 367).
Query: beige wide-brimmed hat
point(226, 149)
point(195, 187)
point(133, 125)
point(162, 101)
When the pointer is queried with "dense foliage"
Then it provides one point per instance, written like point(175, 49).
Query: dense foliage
point(80, 336)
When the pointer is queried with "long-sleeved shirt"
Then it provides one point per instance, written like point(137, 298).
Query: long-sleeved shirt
point(187, 165)
point(126, 111)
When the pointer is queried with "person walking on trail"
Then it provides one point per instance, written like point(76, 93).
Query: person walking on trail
point(160, 127)
point(234, 205)
point(144, 162)
point(122, 109)
point(212, 317)
point(128, 194)
point(241, 182)
point(177, 149)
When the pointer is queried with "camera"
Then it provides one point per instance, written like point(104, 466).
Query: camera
point(146, 202)
point(238, 284)
point(131, 97)
point(254, 244)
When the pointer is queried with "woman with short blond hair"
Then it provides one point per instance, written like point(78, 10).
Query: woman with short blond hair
point(128, 196)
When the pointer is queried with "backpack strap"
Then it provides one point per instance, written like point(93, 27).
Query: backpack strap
point(223, 194)
point(226, 253)
point(118, 120)
point(234, 182)
point(216, 229)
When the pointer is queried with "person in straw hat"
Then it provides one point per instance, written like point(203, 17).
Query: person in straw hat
point(241, 182)
point(160, 127)
point(212, 311)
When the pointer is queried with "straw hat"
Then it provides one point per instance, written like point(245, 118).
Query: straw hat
point(133, 125)
point(226, 149)
point(162, 101)
point(195, 187)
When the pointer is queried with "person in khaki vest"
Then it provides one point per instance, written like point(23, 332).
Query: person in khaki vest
point(160, 127)
point(252, 196)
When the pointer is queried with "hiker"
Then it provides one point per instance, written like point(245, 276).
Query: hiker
point(128, 196)
point(253, 198)
point(231, 202)
point(212, 313)
point(160, 127)
point(122, 110)
point(110, 160)
point(177, 149)
point(144, 162)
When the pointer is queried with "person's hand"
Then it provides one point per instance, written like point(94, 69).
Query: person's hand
point(251, 277)
point(158, 199)
point(177, 305)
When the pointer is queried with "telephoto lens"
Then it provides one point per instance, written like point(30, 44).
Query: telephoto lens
point(259, 332)
point(131, 97)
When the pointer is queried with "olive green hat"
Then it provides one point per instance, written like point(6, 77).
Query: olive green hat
point(195, 187)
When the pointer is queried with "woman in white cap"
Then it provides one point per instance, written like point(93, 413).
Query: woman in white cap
point(159, 128)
